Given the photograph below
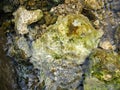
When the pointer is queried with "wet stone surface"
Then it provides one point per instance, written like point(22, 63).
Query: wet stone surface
point(64, 48)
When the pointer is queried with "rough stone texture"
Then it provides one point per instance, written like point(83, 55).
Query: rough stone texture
point(62, 48)
point(110, 23)
point(107, 45)
point(92, 83)
point(20, 48)
point(24, 17)
point(117, 39)
point(69, 7)
point(94, 4)
point(22, 44)
point(105, 66)
point(8, 77)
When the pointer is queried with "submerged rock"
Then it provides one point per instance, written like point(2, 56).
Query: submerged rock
point(24, 17)
point(105, 66)
point(65, 45)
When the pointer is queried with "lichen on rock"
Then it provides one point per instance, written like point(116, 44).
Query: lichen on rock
point(65, 45)
point(105, 66)
point(25, 17)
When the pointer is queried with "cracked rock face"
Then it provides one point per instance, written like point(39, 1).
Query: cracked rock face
point(65, 45)
point(25, 17)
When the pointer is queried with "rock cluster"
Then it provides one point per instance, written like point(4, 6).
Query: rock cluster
point(67, 41)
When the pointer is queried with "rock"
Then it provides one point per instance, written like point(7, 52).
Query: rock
point(92, 83)
point(69, 7)
point(7, 9)
point(8, 76)
point(25, 17)
point(107, 45)
point(62, 48)
point(105, 67)
point(117, 38)
point(20, 48)
point(49, 19)
point(23, 45)
point(93, 4)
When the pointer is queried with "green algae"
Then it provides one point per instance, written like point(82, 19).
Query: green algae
point(62, 48)
point(105, 66)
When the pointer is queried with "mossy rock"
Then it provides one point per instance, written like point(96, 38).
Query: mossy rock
point(105, 66)
point(65, 45)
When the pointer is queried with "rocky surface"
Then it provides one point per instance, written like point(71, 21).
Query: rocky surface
point(69, 7)
point(64, 45)
point(117, 39)
point(104, 66)
point(23, 18)
point(93, 4)
point(20, 48)
point(62, 48)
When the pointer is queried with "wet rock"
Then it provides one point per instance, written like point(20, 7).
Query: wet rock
point(93, 4)
point(24, 17)
point(23, 45)
point(92, 83)
point(117, 38)
point(7, 8)
point(28, 76)
point(68, 7)
point(107, 45)
point(49, 18)
point(105, 67)
point(8, 77)
point(115, 5)
point(20, 48)
point(62, 48)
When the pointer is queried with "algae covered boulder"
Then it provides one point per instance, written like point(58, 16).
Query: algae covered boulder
point(105, 66)
point(65, 45)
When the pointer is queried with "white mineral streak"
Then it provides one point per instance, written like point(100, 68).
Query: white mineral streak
point(25, 17)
